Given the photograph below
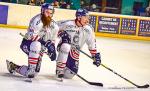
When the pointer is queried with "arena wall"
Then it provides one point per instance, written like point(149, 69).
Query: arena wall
point(106, 25)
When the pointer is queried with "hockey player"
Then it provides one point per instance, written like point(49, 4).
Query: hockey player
point(40, 37)
point(77, 32)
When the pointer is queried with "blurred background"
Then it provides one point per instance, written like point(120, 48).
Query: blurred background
point(124, 7)
point(127, 19)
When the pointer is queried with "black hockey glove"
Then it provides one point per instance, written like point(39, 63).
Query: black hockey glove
point(51, 50)
point(65, 37)
point(97, 59)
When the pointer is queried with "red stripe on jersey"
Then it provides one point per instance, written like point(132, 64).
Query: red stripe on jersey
point(35, 38)
point(32, 62)
point(31, 58)
point(60, 67)
point(93, 52)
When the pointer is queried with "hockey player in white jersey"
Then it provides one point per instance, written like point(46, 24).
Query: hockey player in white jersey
point(77, 32)
point(41, 35)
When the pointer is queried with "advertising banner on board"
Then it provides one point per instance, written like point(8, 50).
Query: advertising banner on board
point(144, 28)
point(108, 24)
point(128, 26)
point(93, 21)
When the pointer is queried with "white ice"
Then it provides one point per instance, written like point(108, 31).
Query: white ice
point(129, 58)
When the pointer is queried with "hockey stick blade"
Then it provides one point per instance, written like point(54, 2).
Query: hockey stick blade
point(96, 84)
point(91, 83)
point(144, 86)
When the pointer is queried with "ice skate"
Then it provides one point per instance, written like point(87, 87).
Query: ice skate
point(28, 80)
point(31, 72)
point(59, 76)
point(11, 66)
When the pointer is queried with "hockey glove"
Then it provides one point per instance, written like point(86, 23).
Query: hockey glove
point(97, 59)
point(51, 49)
point(65, 37)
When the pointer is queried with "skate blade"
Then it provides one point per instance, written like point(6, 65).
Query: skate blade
point(28, 80)
point(59, 79)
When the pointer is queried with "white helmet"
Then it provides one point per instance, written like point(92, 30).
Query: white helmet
point(46, 6)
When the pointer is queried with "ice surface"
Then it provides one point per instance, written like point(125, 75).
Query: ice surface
point(129, 58)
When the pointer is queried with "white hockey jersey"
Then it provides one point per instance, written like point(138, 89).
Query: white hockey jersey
point(79, 36)
point(36, 30)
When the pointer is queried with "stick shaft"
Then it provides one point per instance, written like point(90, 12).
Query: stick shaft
point(145, 86)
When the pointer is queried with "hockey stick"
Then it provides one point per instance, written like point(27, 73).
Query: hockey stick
point(91, 83)
point(138, 86)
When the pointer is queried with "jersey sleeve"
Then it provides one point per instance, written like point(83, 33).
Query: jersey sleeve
point(34, 28)
point(55, 33)
point(91, 41)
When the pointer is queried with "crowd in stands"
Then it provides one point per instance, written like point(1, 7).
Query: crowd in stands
point(55, 3)
point(148, 11)
point(91, 5)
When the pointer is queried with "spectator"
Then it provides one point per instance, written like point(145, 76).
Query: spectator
point(68, 6)
point(23, 1)
point(31, 2)
point(87, 7)
point(39, 2)
point(142, 11)
point(148, 11)
point(6, 1)
point(14, 1)
point(82, 4)
point(63, 5)
point(55, 4)
point(93, 7)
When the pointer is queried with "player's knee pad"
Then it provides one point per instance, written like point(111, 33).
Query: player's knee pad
point(35, 48)
point(65, 48)
point(68, 74)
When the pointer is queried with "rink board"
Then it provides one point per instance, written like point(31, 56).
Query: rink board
point(121, 26)
point(106, 25)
